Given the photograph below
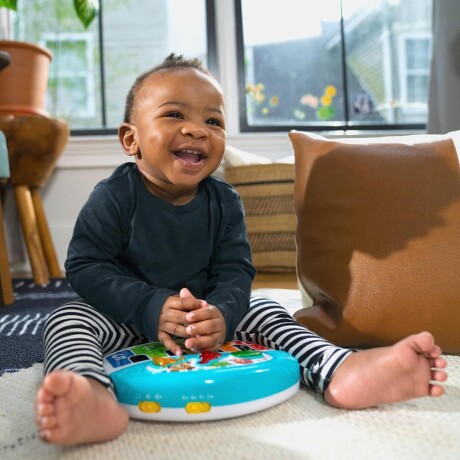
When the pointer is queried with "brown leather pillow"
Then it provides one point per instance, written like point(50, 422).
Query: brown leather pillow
point(378, 237)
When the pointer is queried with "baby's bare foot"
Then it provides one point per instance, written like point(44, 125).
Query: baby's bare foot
point(409, 369)
point(72, 409)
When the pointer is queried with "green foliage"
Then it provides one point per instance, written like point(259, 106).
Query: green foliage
point(10, 4)
point(86, 10)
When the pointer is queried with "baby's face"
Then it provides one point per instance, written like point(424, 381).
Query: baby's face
point(179, 128)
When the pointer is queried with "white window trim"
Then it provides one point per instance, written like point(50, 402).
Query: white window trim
point(406, 107)
point(84, 37)
point(5, 24)
point(226, 51)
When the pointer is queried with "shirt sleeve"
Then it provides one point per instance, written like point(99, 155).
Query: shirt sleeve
point(231, 272)
point(95, 270)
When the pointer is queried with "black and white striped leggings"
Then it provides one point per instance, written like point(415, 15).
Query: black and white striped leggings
point(77, 336)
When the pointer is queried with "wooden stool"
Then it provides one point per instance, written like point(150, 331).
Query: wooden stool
point(34, 145)
point(6, 286)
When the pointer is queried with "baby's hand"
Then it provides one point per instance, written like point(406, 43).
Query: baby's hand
point(207, 328)
point(172, 320)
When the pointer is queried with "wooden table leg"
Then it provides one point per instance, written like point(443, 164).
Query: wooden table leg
point(45, 234)
point(6, 286)
point(29, 226)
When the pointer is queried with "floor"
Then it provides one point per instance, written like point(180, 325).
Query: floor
point(275, 281)
point(262, 280)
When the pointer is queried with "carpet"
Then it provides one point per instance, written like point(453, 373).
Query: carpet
point(301, 428)
point(21, 324)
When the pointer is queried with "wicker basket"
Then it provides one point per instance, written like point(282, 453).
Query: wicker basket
point(267, 194)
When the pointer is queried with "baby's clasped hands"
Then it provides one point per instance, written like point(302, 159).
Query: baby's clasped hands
point(201, 324)
point(172, 322)
point(206, 326)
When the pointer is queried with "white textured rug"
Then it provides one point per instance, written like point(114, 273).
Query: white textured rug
point(303, 427)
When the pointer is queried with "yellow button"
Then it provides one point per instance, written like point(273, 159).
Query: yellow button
point(149, 406)
point(197, 407)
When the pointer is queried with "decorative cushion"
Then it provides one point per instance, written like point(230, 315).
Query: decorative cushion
point(267, 191)
point(378, 237)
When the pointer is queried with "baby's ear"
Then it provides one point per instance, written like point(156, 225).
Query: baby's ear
point(127, 137)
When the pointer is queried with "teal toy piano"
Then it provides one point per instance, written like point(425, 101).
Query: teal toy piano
point(240, 378)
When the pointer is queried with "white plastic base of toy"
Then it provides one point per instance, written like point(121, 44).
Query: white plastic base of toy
point(216, 412)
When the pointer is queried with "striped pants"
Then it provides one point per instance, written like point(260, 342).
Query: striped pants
point(77, 336)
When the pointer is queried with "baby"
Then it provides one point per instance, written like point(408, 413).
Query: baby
point(160, 251)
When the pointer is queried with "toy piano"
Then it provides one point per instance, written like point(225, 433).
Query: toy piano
point(241, 378)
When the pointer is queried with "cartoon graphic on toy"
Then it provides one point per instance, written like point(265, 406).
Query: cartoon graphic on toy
point(241, 378)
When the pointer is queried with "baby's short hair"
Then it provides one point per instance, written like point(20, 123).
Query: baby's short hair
point(171, 62)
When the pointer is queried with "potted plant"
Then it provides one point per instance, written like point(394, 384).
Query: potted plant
point(23, 84)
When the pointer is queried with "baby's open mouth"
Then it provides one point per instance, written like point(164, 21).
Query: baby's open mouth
point(188, 156)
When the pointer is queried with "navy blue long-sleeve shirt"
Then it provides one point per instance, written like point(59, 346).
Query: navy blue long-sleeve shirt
point(130, 250)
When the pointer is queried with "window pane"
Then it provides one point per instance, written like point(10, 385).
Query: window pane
point(385, 42)
point(71, 77)
point(152, 32)
point(304, 68)
point(292, 72)
point(69, 97)
point(418, 53)
point(417, 88)
point(72, 53)
point(74, 78)
point(136, 36)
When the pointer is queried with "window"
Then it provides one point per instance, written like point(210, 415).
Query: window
point(337, 65)
point(415, 52)
point(300, 64)
point(92, 70)
point(71, 78)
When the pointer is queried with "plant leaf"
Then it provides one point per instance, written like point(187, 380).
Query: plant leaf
point(10, 4)
point(86, 10)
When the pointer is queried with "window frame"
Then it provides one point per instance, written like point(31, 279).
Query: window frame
point(224, 60)
point(405, 72)
point(88, 76)
point(212, 64)
point(332, 127)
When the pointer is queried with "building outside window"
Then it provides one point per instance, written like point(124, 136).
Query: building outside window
point(350, 64)
point(71, 83)
point(300, 64)
point(415, 51)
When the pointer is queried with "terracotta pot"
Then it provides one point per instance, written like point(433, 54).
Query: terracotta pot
point(24, 82)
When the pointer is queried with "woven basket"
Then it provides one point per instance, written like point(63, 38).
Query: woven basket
point(267, 193)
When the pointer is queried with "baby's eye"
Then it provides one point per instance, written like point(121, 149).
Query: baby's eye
point(174, 115)
point(214, 122)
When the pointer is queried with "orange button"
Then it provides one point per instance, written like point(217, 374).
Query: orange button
point(149, 406)
point(197, 407)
